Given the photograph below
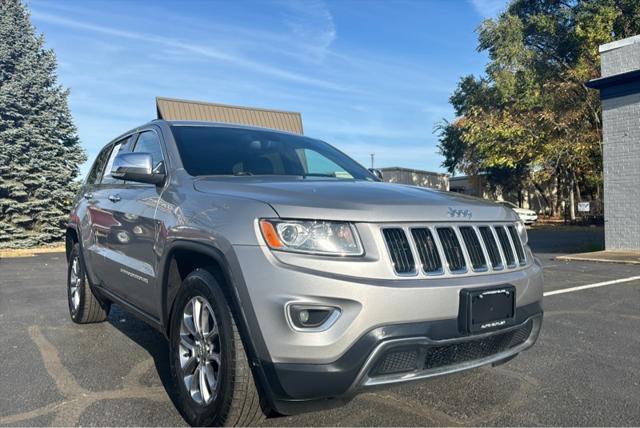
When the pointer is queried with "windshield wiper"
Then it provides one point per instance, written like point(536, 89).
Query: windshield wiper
point(242, 173)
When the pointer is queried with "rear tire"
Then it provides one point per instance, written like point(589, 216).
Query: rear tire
point(226, 394)
point(84, 307)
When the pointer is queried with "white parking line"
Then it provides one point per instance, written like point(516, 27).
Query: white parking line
point(598, 284)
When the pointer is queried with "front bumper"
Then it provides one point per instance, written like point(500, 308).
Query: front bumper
point(378, 316)
point(365, 303)
point(438, 348)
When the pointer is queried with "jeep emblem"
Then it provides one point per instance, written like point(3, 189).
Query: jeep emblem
point(459, 212)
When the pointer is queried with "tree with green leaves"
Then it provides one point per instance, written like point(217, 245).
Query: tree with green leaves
point(530, 120)
point(40, 152)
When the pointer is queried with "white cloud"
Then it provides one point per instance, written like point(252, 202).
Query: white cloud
point(312, 26)
point(489, 8)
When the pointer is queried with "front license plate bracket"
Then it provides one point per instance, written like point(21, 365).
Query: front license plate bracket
point(487, 309)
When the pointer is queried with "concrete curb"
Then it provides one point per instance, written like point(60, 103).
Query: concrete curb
point(622, 258)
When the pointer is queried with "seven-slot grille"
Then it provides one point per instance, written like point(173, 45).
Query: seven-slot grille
point(506, 246)
point(491, 246)
point(401, 255)
point(427, 250)
point(474, 248)
point(454, 249)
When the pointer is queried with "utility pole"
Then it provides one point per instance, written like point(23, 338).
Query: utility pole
point(372, 156)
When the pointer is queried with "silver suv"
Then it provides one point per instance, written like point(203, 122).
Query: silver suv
point(286, 276)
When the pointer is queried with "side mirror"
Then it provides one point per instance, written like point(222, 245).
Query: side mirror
point(376, 172)
point(135, 167)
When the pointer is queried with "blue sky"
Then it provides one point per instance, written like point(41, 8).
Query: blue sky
point(367, 76)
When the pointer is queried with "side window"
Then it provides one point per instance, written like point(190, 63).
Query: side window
point(106, 175)
point(98, 166)
point(148, 142)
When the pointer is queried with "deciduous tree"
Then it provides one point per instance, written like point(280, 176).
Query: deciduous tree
point(530, 119)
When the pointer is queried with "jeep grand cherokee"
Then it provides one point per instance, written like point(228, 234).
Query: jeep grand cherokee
point(286, 276)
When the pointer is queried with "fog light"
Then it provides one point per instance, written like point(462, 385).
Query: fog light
point(312, 318)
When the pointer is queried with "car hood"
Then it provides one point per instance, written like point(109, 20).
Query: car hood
point(357, 201)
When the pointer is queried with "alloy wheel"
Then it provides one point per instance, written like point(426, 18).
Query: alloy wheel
point(75, 282)
point(200, 353)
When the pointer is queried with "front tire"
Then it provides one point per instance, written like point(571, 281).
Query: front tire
point(84, 307)
point(209, 365)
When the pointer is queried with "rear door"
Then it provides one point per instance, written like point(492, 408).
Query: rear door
point(102, 217)
point(131, 267)
point(89, 215)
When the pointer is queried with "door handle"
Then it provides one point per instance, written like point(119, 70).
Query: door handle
point(88, 196)
point(114, 198)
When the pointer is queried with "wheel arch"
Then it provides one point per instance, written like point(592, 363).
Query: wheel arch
point(182, 258)
point(224, 266)
point(71, 237)
point(179, 260)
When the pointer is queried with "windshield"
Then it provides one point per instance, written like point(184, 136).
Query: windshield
point(212, 150)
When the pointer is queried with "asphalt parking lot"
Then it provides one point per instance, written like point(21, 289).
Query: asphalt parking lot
point(584, 370)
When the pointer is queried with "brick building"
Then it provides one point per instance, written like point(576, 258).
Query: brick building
point(620, 94)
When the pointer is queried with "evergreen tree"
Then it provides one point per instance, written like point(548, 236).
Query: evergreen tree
point(40, 152)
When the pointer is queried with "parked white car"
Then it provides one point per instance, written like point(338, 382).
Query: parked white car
point(527, 216)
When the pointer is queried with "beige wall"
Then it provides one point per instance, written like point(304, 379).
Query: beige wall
point(174, 109)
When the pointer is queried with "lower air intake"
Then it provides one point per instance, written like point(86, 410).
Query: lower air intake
point(456, 353)
point(397, 362)
point(431, 357)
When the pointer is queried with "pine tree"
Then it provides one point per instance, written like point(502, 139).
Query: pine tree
point(40, 152)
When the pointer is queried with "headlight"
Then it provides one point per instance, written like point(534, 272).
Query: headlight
point(319, 237)
point(522, 232)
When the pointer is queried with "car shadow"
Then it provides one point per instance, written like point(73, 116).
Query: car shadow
point(151, 340)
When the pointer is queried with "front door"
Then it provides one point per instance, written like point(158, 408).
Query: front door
point(129, 251)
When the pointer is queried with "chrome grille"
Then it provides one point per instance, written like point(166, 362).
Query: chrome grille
point(400, 251)
point(492, 247)
point(427, 250)
point(506, 246)
point(453, 250)
point(516, 243)
point(474, 248)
